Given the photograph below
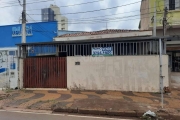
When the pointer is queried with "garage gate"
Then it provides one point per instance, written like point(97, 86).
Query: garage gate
point(45, 72)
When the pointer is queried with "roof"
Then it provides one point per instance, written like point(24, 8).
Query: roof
point(107, 31)
point(107, 40)
point(8, 48)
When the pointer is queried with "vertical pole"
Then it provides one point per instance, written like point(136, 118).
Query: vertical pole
point(24, 22)
point(164, 47)
point(23, 49)
point(115, 49)
point(165, 21)
point(154, 28)
point(161, 77)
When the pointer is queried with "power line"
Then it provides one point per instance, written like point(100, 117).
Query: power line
point(108, 19)
point(27, 3)
point(15, 1)
point(112, 18)
point(95, 10)
point(100, 21)
point(72, 5)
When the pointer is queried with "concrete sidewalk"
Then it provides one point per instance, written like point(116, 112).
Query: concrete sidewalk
point(94, 102)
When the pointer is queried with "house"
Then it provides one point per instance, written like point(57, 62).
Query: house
point(10, 36)
point(150, 9)
point(108, 63)
point(147, 16)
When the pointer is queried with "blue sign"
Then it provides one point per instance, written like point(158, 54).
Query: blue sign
point(16, 31)
point(102, 51)
point(2, 70)
point(13, 66)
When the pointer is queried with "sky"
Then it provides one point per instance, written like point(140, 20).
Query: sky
point(124, 15)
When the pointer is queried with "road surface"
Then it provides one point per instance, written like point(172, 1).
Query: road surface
point(12, 115)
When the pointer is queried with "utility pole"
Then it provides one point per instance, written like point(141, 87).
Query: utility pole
point(165, 21)
point(160, 55)
point(22, 51)
point(154, 28)
point(24, 22)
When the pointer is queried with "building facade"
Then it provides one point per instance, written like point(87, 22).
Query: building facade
point(47, 14)
point(147, 16)
point(53, 14)
point(122, 64)
point(10, 36)
point(173, 25)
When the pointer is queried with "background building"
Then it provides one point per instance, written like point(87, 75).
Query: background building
point(36, 32)
point(173, 16)
point(53, 14)
point(47, 15)
point(173, 25)
point(10, 36)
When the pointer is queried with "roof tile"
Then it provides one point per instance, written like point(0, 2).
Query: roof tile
point(108, 31)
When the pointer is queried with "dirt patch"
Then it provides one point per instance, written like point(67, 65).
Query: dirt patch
point(93, 97)
point(12, 96)
point(19, 102)
point(63, 97)
point(29, 91)
point(127, 98)
point(37, 105)
point(52, 91)
point(76, 92)
point(159, 95)
point(128, 93)
point(108, 104)
point(100, 92)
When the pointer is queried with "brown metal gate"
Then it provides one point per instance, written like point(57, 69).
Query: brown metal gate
point(45, 72)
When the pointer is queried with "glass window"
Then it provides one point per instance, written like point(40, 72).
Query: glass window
point(12, 53)
point(171, 4)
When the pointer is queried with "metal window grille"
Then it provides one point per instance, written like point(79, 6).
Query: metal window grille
point(85, 49)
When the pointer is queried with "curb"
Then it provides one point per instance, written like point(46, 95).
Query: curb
point(133, 113)
point(99, 112)
point(175, 116)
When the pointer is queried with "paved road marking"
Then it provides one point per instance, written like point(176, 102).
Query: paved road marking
point(77, 116)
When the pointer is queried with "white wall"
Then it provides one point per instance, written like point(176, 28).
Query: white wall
point(9, 77)
point(122, 73)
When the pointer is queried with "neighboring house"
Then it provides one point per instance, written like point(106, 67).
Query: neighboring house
point(53, 14)
point(36, 32)
point(173, 17)
point(173, 26)
point(8, 67)
point(10, 36)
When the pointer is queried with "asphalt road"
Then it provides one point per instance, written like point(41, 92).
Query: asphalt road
point(8, 115)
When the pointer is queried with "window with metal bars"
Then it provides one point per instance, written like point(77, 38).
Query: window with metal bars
point(85, 49)
point(171, 4)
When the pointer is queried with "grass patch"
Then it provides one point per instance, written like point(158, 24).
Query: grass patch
point(9, 91)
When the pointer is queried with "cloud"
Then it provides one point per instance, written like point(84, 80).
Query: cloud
point(11, 15)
